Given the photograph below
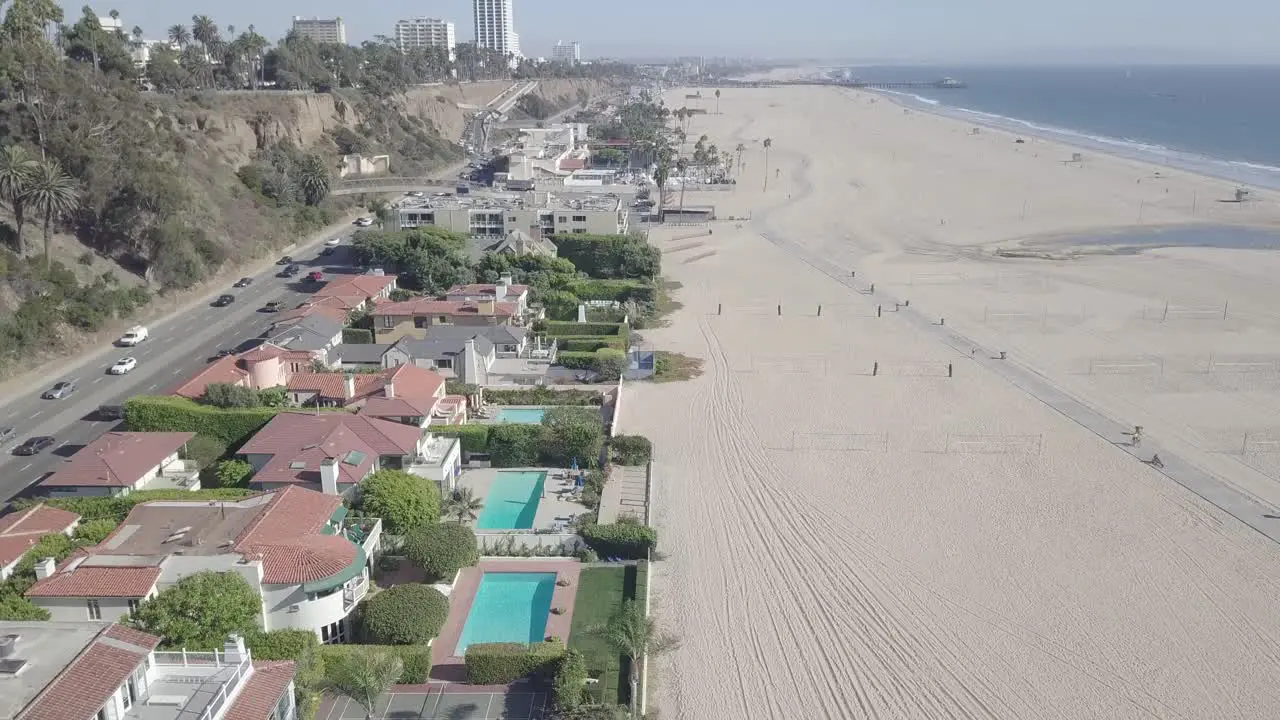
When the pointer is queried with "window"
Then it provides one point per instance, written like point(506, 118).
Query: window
point(444, 319)
point(511, 218)
point(388, 322)
point(579, 231)
point(334, 633)
point(102, 714)
point(95, 610)
point(420, 322)
point(579, 218)
point(445, 363)
point(564, 219)
point(133, 607)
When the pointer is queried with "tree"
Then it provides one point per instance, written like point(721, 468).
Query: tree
point(717, 101)
point(200, 611)
point(381, 210)
point(313, 176)
point(404, 501)
point(442, 550)
point(635, 635)
point(92, 532)
point(463, 505)
point(231, 473)
point(18, 608)
point(364, 676)
point(572, 433)
point(403, 615)
point(16, 168)
point(51, 193)
point(768, 144)
point(179, 34)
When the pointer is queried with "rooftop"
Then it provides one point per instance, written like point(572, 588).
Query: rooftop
point(485, 290)
point(117, 459)
point(355, 286)
point(233, 369)
point(21, 529)
point(432, 306)
point(533, 200)
point(298, 442)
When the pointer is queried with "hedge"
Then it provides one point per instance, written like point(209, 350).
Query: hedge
point(300, 646)
point(230, 426)
point(576, 360)
point(503, 663)
point(357, 336)
point(543, 396)
point(615, 290)
point(118, 507)
point(416, 659)
point(474, 437)
point(558, 329)
point(403, 615)
point(610, 256)
point(629, 541)
point(571, 681)
point(514, 445)
point(591, 344)
point(630, 449)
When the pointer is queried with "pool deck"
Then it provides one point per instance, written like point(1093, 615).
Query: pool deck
point(497, 411)
point(552, 505)
point(445, 666)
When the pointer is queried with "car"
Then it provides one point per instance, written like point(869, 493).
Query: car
point(327, 252)
point(6, 435)
point(315, 276)
point(415, 193)
point(123, 366)
point(284, 260)
point(219, 354)
point(273, 306)
point(363, 222)
point(333, 242)
point(292, 270)
point(243, 282)
point(59, 390)
point(133, 336)
point(109, 412)
point(34, 445)
point(224, 300)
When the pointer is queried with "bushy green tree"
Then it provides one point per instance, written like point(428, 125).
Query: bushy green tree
point(227, 395)
point(200, 611)
point(441, 550)
point(570, 433)
point(403, 615)
point(92, 532)
point(204, 450)
point(403, 500)
point(231, 474)
point(16, 607)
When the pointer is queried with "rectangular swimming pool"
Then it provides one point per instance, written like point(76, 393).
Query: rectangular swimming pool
point(513, 500)
point(524, 416)
point(508, 607)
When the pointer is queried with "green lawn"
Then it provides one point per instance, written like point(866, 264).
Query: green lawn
point(601, 591)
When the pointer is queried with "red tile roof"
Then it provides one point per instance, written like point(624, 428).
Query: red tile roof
point(75, 580)
point(298, 442)
point(356, 286)
point(22, 529)
point(421, 307)
point(233, 370)
point(287, 536)
point(333, 386)
point(264, 688)
point(333, 308)
point(117, 459)
point(84, 686)
point(485, 290)
point(415, 391)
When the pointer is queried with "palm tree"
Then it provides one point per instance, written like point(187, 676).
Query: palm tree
point(768, 143)
point(51, 193)
point(682, 166)
point(313, 177)
point(203, 30)
point(137, 35)
point(179, 34)
point(364, 677)
point(740, 149)
point(717, 101)
point(16, 169)
point(463, 505)
point(635, 635)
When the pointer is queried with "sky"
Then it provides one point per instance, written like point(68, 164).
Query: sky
point(1002, 31)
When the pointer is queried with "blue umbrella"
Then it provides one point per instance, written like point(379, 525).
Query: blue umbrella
point(575, 464)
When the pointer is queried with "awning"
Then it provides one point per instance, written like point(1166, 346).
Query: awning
point(338, 580)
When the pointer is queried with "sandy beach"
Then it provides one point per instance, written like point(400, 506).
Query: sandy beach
point(850, 532)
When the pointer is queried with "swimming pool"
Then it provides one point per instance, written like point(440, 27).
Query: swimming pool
point(508, 607)
point(513, 500)
point(524, 416)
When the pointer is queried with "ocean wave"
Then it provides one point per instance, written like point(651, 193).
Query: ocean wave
point(917, 98)
point(1254, 166)
point(1104, 139)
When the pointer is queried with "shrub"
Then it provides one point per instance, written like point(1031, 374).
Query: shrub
point(416, 658)
point(454, 386)
point(514, 445)
point(200, 611)
point(503, 663)
point(543, 396)
point(593, 488)
point(93, 532)
point(442, 550)
point(570, 433)
point(557, 329)
point(619, 291)
point(404, 501)
point(610, 256)
point(226, 395)
point(231, 426)
point(301, 646)
point(610, 363)
point(117, 507)
point(204, 450)
point(576, 360)
point(630, 541)
point(590, 344)
point(357, 336)
point(474, 437)
point(403, 615)
point(231, 474)
point(630, 449)
point(571, 680)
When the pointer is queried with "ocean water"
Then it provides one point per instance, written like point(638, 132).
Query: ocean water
point(1218, 121)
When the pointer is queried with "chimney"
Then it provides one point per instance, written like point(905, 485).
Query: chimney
point(45, 567)
point(500, 290)
point(467, 368)
point(234, 651)
point(389, 390)
point(349, 386)
point(329, 476)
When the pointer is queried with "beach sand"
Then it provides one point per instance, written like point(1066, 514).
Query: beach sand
point(912, 545)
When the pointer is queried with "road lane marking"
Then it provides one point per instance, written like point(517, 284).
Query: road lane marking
point(97, 380)
point(36, 413)
point(177, 371)
point(65, 443)
point(24, 467)
point(152, 386)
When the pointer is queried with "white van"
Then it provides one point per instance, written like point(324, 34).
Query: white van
point(133, 336)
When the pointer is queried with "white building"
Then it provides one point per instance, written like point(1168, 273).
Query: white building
point(495, 27)
point(424, 32)
point(567, 53)
point(295, 548)
point(103, 671)
point(321, 30)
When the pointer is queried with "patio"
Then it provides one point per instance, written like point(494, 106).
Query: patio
point(438, 702)
point(555, 508)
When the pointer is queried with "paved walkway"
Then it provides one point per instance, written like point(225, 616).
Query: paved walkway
point(1241, 506)
point(624, 494)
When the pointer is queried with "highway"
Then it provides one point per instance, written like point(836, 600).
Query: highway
point(176, 349)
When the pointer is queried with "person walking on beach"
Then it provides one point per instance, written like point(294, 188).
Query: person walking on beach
point(1136, 436)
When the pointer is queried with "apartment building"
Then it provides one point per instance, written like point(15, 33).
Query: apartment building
point(570, 53)
point(495, 27)
point(493, 217)
point(307, 561)
point(424, 32)
point(103, 671)
point(321, 30)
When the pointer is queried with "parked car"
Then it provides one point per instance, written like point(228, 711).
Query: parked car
point(124, 366)
point(224, 300)
point(291, 270)
point(221, 354)
point(333, 242)
point(315, 276)
point(6, 435)
point(59, 390)
point(34, 445)
point(327, 252)
point(363, 222)
point(243, 282)
point(284, 260)
point(133, 336)
point(110, 412)
point(273, 306)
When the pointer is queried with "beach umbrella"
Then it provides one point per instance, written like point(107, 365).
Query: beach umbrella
point(574, 466)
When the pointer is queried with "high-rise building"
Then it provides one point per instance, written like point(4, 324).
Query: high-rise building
point(495, 27)
point(425, 32)
point(321, 30)
point(567, 53)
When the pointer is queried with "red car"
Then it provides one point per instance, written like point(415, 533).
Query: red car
point(315, 276)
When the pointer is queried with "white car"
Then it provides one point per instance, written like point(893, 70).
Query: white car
point(124, 365)
point(333, 242)
point(364, 222)
point(133, 336)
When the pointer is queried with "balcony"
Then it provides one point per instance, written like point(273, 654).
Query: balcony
point(177, 475)
point(354, 591)
point(191, 685)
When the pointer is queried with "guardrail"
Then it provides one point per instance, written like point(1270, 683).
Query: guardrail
point(387, 184)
